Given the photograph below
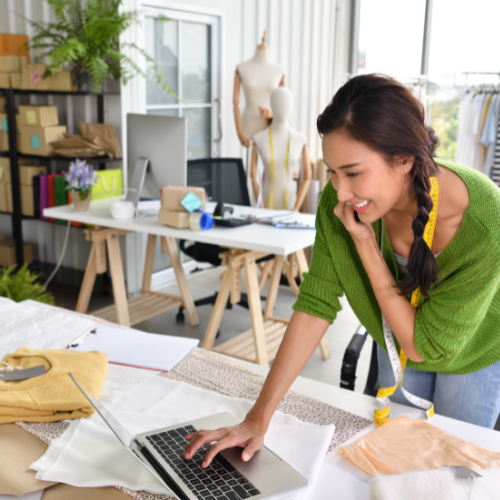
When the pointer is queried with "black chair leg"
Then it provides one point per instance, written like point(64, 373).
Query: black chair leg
point(351, 356)
point(372, 382)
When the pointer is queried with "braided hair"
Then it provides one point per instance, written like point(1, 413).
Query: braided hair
point(383, 114)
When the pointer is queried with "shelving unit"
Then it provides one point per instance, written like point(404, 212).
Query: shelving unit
point(10, 108)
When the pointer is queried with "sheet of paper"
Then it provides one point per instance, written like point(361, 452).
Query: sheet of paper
point(136, 348)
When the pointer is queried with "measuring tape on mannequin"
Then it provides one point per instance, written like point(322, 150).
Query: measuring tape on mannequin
point(271, 147)
point(398, 362)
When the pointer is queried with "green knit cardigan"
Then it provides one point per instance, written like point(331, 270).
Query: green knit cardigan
point(457, 328)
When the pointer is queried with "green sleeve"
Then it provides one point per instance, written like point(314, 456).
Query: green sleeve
point(448, 320)
point(320, 291)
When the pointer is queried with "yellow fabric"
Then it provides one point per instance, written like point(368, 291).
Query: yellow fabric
point(405, 445)
point(52, 396)
point(382, 416)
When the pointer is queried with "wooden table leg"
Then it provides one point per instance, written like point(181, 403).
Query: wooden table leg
point(255, 307)
point(187, 298)
point(148, 265)
point(219, 308)
point(117, 279)
point(265, 273)
point(88, 282)
point(273, 287)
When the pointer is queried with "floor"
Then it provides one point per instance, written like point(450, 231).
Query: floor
point(237, 320)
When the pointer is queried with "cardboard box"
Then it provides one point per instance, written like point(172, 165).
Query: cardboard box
point(180, 220)
point(9, 64)
point(8, 195)
point(38, 116)
point(4, 80)
point(20, 81)
point(27, 204)
point(36, 140)
point(4, 126)
point(171, 197)
point(8, 252)
point(4, 141)
point(64, 81)
point(14, 45)
point(35, 74)
point(3, 197)
point(2, 104)
point(5, 167)
point(27, 172)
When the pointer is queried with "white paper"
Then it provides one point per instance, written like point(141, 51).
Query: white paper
point(92, 456)
point(47, 328)
point(136, 348)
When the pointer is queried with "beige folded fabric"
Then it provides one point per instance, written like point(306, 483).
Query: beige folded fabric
point(406, 445)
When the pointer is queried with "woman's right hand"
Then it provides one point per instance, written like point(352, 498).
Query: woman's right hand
point(248, 435)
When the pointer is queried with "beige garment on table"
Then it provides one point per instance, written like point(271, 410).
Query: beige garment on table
point(406, 445)
point(53, 396)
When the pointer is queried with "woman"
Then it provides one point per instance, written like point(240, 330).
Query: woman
point(380, 157)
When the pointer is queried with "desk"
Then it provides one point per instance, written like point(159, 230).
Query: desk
point(246, 244)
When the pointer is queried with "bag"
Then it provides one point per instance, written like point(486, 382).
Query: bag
point(109, 184)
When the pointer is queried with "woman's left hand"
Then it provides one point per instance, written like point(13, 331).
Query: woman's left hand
point(360, 232)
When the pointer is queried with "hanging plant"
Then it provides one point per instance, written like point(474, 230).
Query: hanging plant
point(21, 285)
point(85, 39)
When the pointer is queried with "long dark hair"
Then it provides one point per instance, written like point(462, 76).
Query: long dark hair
point(383, 114)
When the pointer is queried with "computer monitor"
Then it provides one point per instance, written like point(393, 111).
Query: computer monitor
point(222, 178)
point(163, 141)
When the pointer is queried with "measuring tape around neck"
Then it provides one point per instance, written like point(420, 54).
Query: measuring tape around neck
point(398, 362)
point(271, 146)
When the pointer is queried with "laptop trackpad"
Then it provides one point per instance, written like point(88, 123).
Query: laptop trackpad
point(262, 458)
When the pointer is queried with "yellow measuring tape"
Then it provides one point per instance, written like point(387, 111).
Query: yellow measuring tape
point(398, 362)
point(271, 146)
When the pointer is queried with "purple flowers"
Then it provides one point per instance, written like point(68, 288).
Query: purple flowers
point(80, 177)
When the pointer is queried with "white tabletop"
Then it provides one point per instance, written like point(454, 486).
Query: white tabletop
point(257, 237)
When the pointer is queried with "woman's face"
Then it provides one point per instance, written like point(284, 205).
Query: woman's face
point(364, 179)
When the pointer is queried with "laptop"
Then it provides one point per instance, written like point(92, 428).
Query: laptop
point(227, 477)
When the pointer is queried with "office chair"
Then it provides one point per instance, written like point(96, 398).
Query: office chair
point(224, 180)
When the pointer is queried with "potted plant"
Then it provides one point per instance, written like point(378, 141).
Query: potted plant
point(85, 39)
point(21, 285)
point(80, 179)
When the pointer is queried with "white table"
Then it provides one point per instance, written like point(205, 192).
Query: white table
point(245, 245)
point(340, 479)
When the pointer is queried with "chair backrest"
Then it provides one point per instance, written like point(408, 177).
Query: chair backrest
point(224, 179)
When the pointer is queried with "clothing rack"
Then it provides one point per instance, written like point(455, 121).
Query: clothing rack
point(467, 73)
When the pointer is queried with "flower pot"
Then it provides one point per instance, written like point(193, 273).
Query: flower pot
point(83, 81)
point(80, 205)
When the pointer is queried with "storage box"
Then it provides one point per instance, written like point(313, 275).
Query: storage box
point(8, 252)
point(2, 104)
point(27, 172)
point(3, 197)
point(14, 45)
point(4, 126)
point(20, 80)
point(38, 116)
point(4, 169)
point(180, 220)
point(27, 205)
point(8, 195)
point(35, 73)
point(62, 82)
point(9, 64)
point(171, 197)
point(4, 141)
point(36, 140)
point(4, 80)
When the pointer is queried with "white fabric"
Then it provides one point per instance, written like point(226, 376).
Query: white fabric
point(24, 325)
point(89, 455)
point(32, 495)
point(436, 485)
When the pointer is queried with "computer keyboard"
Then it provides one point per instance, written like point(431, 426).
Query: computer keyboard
point(219, 481)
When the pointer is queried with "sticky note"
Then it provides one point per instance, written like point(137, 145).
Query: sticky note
point(36, 77)
point(191, 202)
point(31, 117)
point(35, 142)
point(5, 125)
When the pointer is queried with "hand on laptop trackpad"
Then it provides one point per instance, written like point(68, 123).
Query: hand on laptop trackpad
point(263, 457)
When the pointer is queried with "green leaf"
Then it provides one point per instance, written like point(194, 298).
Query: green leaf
point(21, 285)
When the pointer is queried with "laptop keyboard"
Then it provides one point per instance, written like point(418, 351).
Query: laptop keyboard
point(219, 481)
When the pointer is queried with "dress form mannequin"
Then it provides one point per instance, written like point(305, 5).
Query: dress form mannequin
point(258, 76)
point(275, 145)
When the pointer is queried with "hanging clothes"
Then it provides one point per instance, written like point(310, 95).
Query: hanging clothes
point(489, 136)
